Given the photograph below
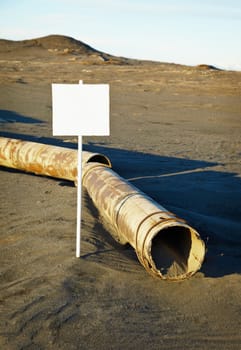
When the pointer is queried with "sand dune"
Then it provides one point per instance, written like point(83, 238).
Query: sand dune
point(175, 134)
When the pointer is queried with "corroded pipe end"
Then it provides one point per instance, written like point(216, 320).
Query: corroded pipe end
point(166, 245)
point(172, 251)
point(89, 157)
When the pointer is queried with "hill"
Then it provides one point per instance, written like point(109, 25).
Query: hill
point(60, 47)
point(55, 46)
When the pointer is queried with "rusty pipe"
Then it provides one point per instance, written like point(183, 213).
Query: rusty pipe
point(42, 159)
point(165, 245)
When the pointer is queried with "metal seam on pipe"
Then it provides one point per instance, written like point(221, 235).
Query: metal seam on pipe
point(122, 202)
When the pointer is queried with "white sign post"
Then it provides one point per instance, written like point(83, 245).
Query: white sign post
point(80, 110)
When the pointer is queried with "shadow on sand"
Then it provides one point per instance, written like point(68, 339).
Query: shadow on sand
point(208, 199)
point(7, 116)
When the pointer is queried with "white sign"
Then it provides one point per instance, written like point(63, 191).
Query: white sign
point(80, 110)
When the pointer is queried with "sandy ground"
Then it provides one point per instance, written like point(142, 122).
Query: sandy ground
point(176, 134)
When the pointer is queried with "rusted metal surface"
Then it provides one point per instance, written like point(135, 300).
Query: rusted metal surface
point(166, 245)
point(41, 159)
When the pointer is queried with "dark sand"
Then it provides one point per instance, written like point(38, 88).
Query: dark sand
point(176, 134)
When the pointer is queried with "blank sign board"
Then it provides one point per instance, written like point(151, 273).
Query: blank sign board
point(80, 109)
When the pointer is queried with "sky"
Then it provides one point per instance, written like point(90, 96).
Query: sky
point(189, 32)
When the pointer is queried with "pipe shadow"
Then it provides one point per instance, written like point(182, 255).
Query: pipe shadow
point(54, 141)
point(135, 164)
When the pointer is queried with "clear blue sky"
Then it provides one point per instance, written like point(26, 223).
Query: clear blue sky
point(181, 31)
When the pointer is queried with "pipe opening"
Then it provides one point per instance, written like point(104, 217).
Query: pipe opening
point(170, 251)
point(99, 158)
